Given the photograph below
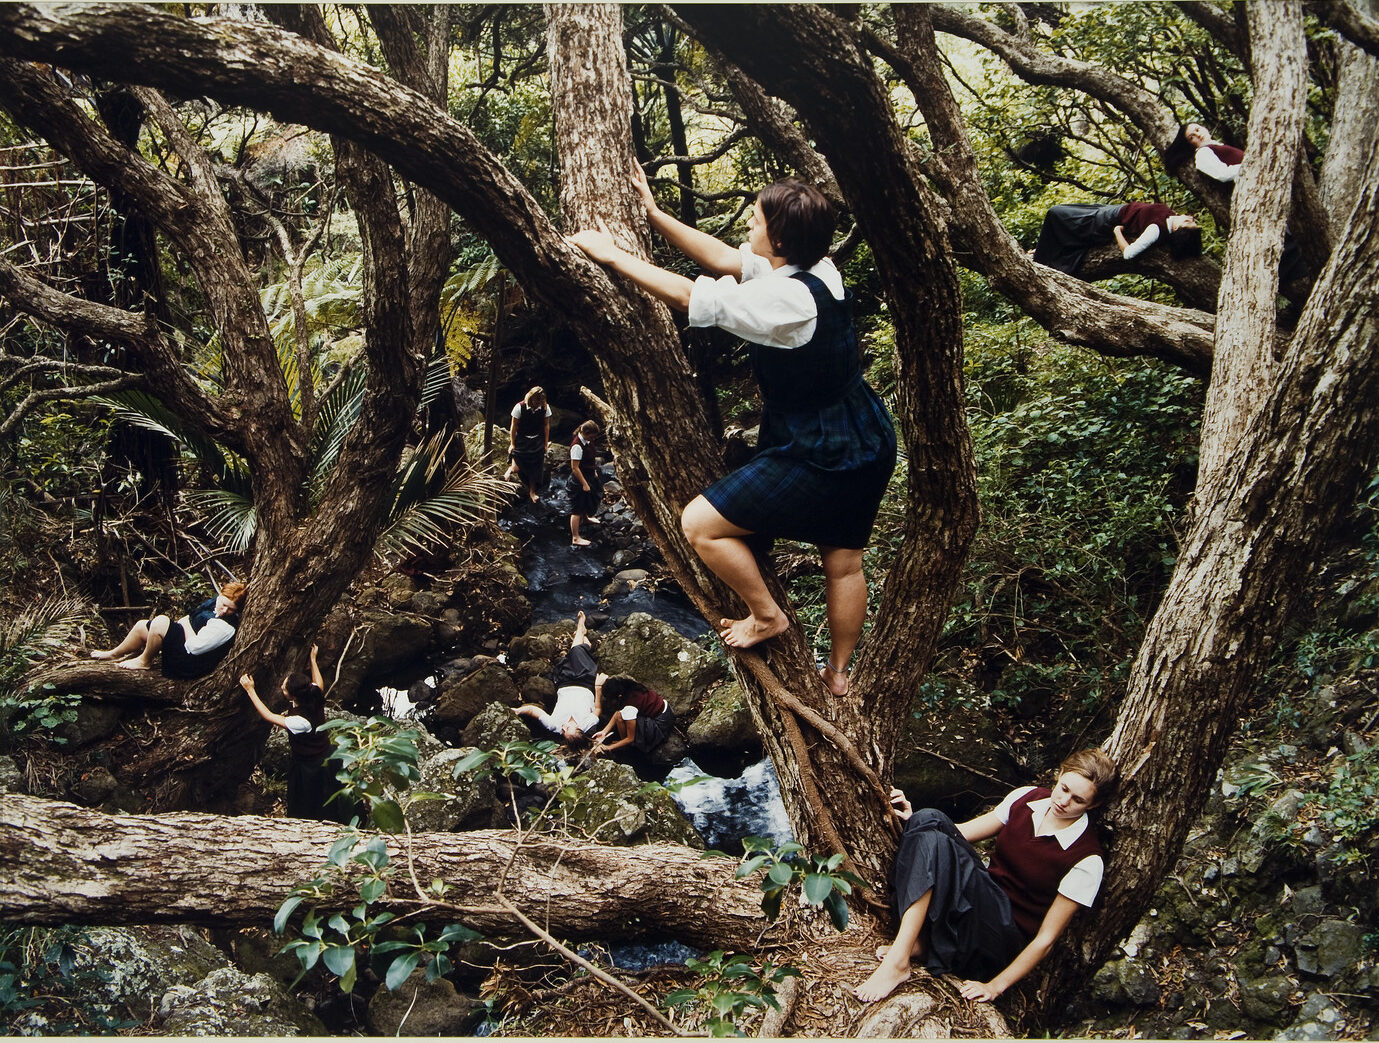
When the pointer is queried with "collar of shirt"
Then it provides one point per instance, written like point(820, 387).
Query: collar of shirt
point(1064, 836)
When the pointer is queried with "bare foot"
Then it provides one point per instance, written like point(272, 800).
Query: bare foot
point(834, 679)
point(108, 653)
point(915, 953)
point(137, 663)
point(579, 627)
point(589, 519)
point(579, 541)
point(533, 498)
point(744, 633)
point(883, 981)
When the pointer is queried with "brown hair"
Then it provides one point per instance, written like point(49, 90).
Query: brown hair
point(1097, 768)
point(235, 591)
point(588, 429)
point(535, 398)
point(799, 221)
point(619, 688)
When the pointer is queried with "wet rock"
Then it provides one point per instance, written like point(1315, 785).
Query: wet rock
point(615, 805)
point(495, 726)
point(94, 721)
point(1125, 983)
point(422, 1008)
point(463, 802)
point(1329, 948)
point(228, 1002)
point(724, 723)
point(659, 657)
point(536, 652)
point(624, 581)
point(398, 588)
point(460, 700)
point(11, 778)
point(539, 690)
point(95, 786)
point(1267, 999)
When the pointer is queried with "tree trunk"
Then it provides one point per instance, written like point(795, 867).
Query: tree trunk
point(1260, 526)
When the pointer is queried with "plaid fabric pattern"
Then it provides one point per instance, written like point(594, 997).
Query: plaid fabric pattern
point(827, 447)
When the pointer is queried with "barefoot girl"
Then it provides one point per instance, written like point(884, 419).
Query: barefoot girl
point(992, 926)
point(826, 448)
point(186, 648)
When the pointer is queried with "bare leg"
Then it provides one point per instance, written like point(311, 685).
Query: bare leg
point(720, 545)
point(894, 970)
point(157, 630)
point(581, 634)
point(133, 642)
point(575, 539)
point(845, 588)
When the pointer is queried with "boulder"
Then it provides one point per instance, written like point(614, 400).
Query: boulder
point(94, 721)
point(615, 806)
point(724, 723)
point(1125, 983)
point(466, 802)
point(11, 778)
point(659, 657)
point(536, 652)
point(1330, 948)
point(460, 700)
point(1267, 999)
point(391, 641)
point(422, 1008)
point(228, 1002)
point(95, 786)
point(493, 727)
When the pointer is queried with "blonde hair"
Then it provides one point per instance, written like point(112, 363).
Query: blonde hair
point(1097, 768)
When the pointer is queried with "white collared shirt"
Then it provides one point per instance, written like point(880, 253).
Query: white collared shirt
point(766, 306)
point(1082, 882)
point(1209, 163)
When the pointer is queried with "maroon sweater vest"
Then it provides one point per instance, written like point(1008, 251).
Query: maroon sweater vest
point(1029, 868)
point(1136, 217)
point(1227, 154)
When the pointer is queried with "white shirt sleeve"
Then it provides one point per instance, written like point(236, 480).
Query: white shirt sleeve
point(629, 713)
point(516, 413)
point(1209, 163)
point(1082, 882)
point(297, 725)
point(1002, 810)
point(577, 452)
point(1147, 238)
point(215, 633)
point(766, 307)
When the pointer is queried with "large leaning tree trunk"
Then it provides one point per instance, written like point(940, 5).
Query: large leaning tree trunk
point(1297, 459)
point(306, 553)
point(810, 59)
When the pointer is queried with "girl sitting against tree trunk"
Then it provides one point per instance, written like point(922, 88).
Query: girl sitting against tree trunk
point(993, 925)
point(827, 447)
point(189, 648)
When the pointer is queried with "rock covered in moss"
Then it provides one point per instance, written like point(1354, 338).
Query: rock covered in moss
point(658, 656)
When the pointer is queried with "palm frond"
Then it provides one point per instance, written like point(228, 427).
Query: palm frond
point(437, 377)
point(35, 634)
point(336, 415)
point(421, 521)
point(143, 410)
point(229, 516)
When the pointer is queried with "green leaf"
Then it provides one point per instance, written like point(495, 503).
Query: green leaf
point(751, 866)
point(780, 874)
point(339, 960)
point(401, 969)
point(679, 997)
point(388, 817)
point(372, 889)
point(770, 905)
point(285, 911)
point(837, 910)
point(817, 887)
point(458, 933)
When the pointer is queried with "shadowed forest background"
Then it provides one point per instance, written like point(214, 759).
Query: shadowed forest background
point(271, 279)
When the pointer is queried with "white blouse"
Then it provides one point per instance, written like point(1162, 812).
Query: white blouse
point(766, 306)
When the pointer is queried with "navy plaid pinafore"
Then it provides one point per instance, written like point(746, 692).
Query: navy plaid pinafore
point(827, 446)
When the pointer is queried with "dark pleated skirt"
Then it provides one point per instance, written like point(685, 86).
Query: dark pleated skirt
point(310, 783)
point(1072, 229)
point(969, 928)
point(582, 503)
point(652, 731)
point(176, 662)
point(577, 668)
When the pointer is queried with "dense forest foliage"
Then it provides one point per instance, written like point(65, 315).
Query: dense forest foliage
point(264, 270)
